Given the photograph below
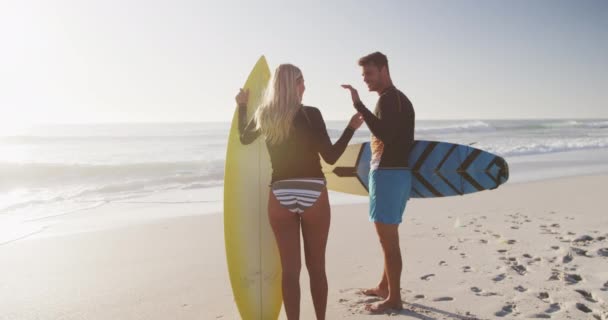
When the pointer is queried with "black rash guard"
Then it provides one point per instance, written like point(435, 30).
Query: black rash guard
point(392, 127)
point(298, 155)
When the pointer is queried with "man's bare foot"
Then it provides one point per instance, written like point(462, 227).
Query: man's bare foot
point(384, 306)
point(376, 292)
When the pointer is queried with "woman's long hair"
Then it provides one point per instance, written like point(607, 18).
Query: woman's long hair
point(280, 104)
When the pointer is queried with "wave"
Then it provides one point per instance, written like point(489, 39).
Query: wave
point(471, 126)
point(547, 146)
point(422, 128)
point(151, 185)
point(216, 138)
point(596, 124)
point(84, 170)
point(111, 190)
point(507, 126)
point(602, 124)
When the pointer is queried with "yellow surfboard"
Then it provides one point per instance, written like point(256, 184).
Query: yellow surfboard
point(253, 258)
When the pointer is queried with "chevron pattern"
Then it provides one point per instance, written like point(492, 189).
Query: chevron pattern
point(442, 169)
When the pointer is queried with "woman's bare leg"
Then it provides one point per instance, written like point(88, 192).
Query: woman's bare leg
point(286, 228)
point(315, 230)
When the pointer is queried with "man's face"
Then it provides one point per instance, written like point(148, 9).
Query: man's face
point(372, 76)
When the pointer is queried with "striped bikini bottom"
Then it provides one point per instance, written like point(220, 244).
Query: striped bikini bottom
point(297, 195)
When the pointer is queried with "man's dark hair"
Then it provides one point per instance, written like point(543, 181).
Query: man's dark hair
point(377, 59)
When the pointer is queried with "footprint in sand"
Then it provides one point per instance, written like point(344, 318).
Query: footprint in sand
point(483, 241)
point(543, 296)
point(603, 252)
point(527, 255)
point(573, 278)
point(467, 269)
point(511, 242)
point(502, 251)
point(479, 292)
point(555, 247)
point(583, 240)
point(506, 310)
point(540, 316)
point(443, 299)
point(580, 252)
point(605, 288)
point(587, 295)
point(453, 248)
point(442, 263)
point(419, 296)
point(535, 260)
point(520, 289)
point(567, 258)
point(583, 308)
point(427, 277)
point(569, 278)
point(520, 269)
point(499, 277)
point(553, 308)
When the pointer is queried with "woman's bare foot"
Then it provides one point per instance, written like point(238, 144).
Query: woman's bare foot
point(376, 292)
point(384, 306)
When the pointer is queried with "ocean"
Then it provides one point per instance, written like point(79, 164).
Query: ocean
point(50, 170)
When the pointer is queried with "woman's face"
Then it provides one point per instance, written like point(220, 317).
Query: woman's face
point(300, 87)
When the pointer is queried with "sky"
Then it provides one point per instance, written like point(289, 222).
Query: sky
point(184, 60)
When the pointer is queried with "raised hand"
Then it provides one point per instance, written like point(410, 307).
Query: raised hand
point(353, 92)
point(242, 97)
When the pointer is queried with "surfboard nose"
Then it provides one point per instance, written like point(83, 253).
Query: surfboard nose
point(503, 170)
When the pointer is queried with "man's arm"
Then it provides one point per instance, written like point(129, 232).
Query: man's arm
point(385, 125)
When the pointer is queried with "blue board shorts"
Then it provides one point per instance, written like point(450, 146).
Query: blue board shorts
point(389, 191)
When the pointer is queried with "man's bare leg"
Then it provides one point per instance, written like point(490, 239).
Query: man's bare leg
point(389, 239)
point(381, 290)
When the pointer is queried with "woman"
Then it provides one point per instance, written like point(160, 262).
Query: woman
point(295, 136)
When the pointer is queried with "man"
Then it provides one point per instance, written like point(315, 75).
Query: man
point(392, 128)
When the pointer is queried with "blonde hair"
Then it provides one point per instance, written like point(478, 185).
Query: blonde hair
point(280, 104)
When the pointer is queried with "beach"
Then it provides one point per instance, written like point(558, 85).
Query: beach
point(134, 176)
point(123, 221)
point(525, 250)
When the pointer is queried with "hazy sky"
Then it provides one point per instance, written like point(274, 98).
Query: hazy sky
point(130, 60)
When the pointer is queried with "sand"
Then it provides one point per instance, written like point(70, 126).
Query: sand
point(528, 250)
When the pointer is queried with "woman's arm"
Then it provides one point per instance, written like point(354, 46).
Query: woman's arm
point(247, 131)
point(332, 152)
